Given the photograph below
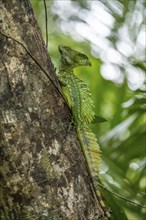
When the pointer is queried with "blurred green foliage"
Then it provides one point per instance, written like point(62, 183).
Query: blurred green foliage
point(111, 33)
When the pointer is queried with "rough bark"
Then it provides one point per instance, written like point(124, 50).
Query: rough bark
point(43, 172)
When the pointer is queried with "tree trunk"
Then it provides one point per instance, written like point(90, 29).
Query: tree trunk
point(43, 171)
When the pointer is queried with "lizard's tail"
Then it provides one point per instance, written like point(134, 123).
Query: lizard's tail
point(90, 148)
point(92, 155)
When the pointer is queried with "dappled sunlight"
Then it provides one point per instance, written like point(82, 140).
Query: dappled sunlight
point(115, 73)
point(118, 131)
point(95, 25)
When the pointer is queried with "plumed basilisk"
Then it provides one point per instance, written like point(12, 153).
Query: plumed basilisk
point(78, 98)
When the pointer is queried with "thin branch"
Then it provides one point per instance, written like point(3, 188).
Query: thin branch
point(46, 22)
point(121, 197)
point(33, 58)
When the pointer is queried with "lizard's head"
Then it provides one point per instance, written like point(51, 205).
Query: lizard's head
point(72, 57)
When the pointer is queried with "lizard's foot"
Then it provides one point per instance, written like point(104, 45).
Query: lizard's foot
point(71, 125)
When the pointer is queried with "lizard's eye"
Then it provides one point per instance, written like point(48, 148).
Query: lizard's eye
point(68, 60)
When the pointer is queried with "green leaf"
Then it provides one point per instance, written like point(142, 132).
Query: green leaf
point(99, 119)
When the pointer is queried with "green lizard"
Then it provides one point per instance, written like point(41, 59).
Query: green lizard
point(79, 100)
